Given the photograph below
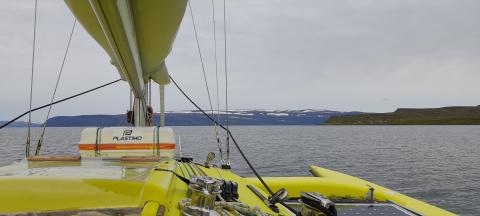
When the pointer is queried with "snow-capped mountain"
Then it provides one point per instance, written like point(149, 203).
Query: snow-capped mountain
point(196, 118)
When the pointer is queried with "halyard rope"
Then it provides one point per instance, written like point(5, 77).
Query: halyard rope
point(216, 77)
point(226, 80)
point(58, 101)
point(27, 144)
point(204, 75)
point(228, 133)
point(40, 140)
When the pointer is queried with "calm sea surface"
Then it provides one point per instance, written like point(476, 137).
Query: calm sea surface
point(437, 164)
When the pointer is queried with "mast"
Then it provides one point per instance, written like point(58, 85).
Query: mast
point(140, 114)
point(135, 77)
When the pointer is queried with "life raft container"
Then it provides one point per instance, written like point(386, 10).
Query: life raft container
point(117, 142)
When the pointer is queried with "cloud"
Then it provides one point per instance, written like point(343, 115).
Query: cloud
point(282, 54)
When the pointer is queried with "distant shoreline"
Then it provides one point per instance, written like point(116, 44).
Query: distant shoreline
point(196, 118)
point(458, 115)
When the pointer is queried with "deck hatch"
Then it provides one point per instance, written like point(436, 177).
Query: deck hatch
point(373, 209)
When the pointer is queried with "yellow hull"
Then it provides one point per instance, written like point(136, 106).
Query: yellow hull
point(338, 185)
point(148, 188)
point(44, 186)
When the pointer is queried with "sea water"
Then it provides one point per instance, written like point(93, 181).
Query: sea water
point(437, 164)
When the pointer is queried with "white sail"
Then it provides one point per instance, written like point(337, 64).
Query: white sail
point(137, 35)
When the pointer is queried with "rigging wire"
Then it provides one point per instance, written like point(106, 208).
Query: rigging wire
point(203, 70)
point(58, 101)
point(228, 133)
point(27, 144)
point(216, 78)
point(40, 140)
point(226, 80)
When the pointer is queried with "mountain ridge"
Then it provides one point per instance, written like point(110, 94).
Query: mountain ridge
point(196, 118)
point(452, 115)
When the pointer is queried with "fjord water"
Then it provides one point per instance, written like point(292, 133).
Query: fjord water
point(437, 164)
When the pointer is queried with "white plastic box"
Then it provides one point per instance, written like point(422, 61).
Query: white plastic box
point(116, 142)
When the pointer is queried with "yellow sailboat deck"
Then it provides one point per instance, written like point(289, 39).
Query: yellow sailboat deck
point(138, 36)
point(112, 187)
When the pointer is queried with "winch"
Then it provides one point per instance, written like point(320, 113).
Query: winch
point(202, 193)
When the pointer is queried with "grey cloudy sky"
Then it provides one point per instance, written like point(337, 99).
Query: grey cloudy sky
point(283, 54)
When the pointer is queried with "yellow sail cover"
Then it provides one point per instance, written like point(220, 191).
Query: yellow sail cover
point(137, 34)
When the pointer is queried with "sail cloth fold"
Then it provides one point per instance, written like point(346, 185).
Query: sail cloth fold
point(136, 34)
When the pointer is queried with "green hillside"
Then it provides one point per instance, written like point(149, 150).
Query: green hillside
point(459, 115)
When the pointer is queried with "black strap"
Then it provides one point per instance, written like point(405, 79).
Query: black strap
point(177, 175)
